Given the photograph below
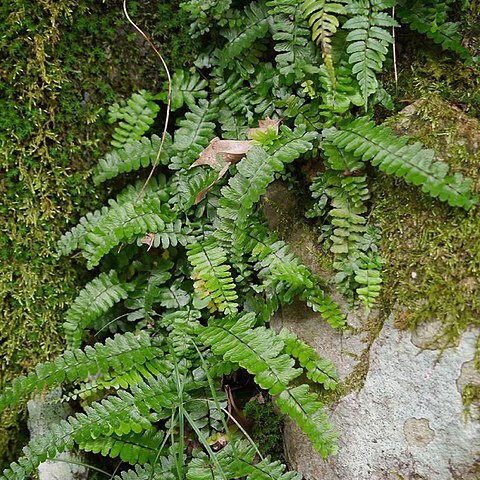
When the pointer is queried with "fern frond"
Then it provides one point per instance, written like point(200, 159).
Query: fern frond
point(213, 277)
point(303, 407)
point(322, 303)
point(116, 355)
point(393, 155)
point(368, 42)
point(283, 273)
point(296, 54)
point(187, 184)
point(124, 223)
point(249, 100)
point(318, 370)
point(195, 132)
point(133, 155)
point(322, 17)
point(74, 238)
point(255, 172)
point(430, 18)
point(256, 349)
point(133, 448)
point(186, 88)
point(136, 117)
point(255, 24)
point(237, 461)
point(162, 469)
point(94, 300)
point(117, 415)
point(369, 280)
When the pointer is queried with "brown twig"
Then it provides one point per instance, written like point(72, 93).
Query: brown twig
point(169, 97)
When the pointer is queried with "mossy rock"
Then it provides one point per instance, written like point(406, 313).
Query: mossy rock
point(432, 250)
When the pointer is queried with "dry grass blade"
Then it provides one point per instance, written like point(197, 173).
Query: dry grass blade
point(169, 95)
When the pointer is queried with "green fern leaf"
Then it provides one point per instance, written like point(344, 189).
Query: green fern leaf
point(186, 88)
point(296, 54)
point(136, 117)
point(195, 132)
point(256, 349)
point(116, 355)
point(255, 172)
point(368, 43)
point(133, 155)
point(255, 24)
point(133, 448)
point(124, 223)
point(430, 18)
point(94, 300)
point(213, 277)
point(74, 238)
point(393, 155)
point(318, 370)
point(114, 414)
point(302, 407)
point(322, 17)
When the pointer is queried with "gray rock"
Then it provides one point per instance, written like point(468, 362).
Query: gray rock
point(43, 413)
point(406, 422)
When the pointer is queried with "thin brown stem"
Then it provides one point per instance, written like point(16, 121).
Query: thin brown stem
point(169, 97)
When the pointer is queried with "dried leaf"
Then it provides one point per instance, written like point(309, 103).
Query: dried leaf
point(264, 125)
point(218, 152)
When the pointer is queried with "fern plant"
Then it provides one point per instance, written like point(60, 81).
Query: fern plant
point(189, 274)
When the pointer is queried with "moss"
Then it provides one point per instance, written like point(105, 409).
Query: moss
point(266, 427)
point(432, 250)
point(63, 63)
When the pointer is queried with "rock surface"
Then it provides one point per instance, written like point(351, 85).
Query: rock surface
point(42, 414)
point(406, 422)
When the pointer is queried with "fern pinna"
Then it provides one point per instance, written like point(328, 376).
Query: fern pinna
point(189, 274)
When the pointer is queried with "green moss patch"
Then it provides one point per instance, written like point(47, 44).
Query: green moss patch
point(432, 250)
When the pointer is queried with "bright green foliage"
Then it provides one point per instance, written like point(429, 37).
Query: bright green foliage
point(318, 370)
point(133, 155)
point(368, 40)
point(94, 300)
point(368, 277)
point(393, 155)
point(214, 280)
point(302, 407)
point(123, 223)
point(237, 462)
point(195, 132)
point(186, 87)
point(295, 53)
point(255, 172)
point(133, 448)
point(254, 26)
point(136, 117)
point(191, 259)
point(256, 349)
point(117, 355)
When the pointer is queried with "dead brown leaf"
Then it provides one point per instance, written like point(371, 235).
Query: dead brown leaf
point(220, 154)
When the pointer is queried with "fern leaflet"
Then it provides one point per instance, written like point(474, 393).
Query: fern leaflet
point(393, 155)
